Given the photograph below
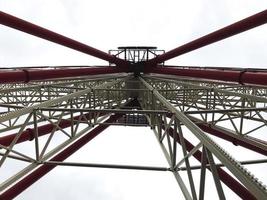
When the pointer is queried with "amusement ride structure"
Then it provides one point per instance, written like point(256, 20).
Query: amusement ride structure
point(136, 88)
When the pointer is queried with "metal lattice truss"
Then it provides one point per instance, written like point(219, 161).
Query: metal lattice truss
point(56, 111)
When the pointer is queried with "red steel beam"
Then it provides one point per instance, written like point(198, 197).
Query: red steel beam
point(229, 137)
point(27, 181)
point(241, 76)
point(27, 27)
point(228, 31)
point(227, 179)
point(26, 75)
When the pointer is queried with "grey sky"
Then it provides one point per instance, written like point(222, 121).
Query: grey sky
point(106, 25)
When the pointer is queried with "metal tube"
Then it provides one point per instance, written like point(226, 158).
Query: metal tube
point(242, 77)
point(109, 166)
point(228, 31)
point(27, 27)
point(126, 111)
point(27, 181)
point(23, 75)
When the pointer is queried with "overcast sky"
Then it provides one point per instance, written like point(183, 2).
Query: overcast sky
point(106, 24)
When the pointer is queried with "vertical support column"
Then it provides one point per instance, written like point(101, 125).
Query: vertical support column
point(188, 168)
point(202, 175)
point(177, 176)
point(36, 135)
point(214, 174)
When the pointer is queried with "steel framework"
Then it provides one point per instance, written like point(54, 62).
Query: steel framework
point(189, 106)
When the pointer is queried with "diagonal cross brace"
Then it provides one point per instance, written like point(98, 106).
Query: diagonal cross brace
point(254, 186)
point(27, 181)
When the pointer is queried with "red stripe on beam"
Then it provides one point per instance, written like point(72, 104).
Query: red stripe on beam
point(227, 179)
point(242, 77)
point(228, 31)
point(27, 27)
point(27, 181)
point(23, 75)
point(227, 136)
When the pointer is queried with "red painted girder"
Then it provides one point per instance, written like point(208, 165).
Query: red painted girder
point(228, 31)
point(26, 75)
point(27, 27)
point(27, 181)
point(235, 140)
point(242, 77)
point(226, 178)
